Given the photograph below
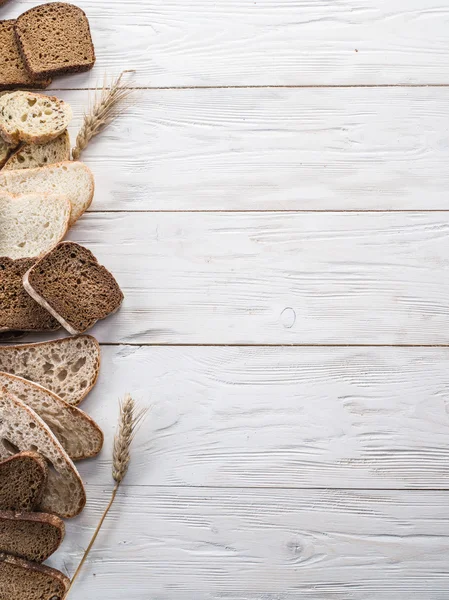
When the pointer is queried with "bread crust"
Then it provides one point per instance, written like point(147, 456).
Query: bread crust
point(31, 567)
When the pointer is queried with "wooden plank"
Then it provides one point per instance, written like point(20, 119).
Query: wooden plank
point(267, 278)
point(289, 417)
point(265, 42)
point(262, 544)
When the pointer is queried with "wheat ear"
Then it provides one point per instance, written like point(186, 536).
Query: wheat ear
point(129, 420)
point(106, 107)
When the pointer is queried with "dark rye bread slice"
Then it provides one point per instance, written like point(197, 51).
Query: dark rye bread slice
point(18, 311)
point(23, 478)
point(33, 536)
point(25, 580)
point(13, 73)
point(55, 39)
point(70, 283)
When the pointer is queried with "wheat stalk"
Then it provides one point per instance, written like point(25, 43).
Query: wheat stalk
point(106, 107)
point(130, 418)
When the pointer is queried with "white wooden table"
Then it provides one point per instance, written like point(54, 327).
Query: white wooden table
point(275, 207)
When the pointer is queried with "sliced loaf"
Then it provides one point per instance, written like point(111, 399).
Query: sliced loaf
point(71, 179)
point(78, 434)
point(31, 156)
point(25, 580)
point(23, 478)
point(22, 429)
point(33, 536)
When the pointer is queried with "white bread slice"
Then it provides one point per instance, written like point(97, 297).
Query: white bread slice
point(22, 429)
point(68, 367)
point(30, 156)
point(32, 118)
point(78, 434)
point(31, 224)
point(71, 179)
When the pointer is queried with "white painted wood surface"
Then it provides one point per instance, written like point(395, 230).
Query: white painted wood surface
point(277, 246)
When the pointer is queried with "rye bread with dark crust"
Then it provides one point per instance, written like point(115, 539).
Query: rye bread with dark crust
point(55, 39)
point(70, 283)
point(23, 478)
point(32, 536)
point(18, 311)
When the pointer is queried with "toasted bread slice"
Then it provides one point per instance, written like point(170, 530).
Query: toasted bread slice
point(23, 478)
point(25, 580)
point(30, 156)
point(33, 536)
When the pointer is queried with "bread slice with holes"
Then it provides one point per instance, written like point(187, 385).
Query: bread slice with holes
point(25, 580)
point(70, 283)
point(22, 429)
point(32, 223)
point(78, 434)
point(68, 367)
point(30, 156)
point(32, 536)
point(23, 478)
point(32, 118)
point(74, 180)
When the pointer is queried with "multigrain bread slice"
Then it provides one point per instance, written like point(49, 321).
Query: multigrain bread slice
point(30, 156)
point(32, 536)
point(70, 283)
point(78, 434)
point(55, 39)
point(25, 580)
point(32, 118)
point(31, 224)
point(68, 367)
point(71, 179)
point(13, 73)
point(18, 311)
point(22, 429)
point(23, 478)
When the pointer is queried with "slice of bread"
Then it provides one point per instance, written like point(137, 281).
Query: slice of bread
point(31, 156)
point(23, 478)
point(22, 429)
point(18, 311)
point(13, 73)
point(32, 223)
point(71, 179)
point(32, 118)
point(25, 580)
point(55, 39)
point(78, 434)
point(70, 283)
point(33, 536)
point(68, 367)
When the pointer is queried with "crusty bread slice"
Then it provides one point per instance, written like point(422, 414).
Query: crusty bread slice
point(23, 478)
point(32, 118)
point(33, 536)
point(18, 311)
point(78, 434)
point(55, 39)
point(30, 156)
point(22, 429)
point(70, 283)
point(31, 224)
point(71, 179)
point(25, 580)
point(13, 73)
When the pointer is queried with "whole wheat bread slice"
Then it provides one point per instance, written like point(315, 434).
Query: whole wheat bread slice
point(78, 434)
point(71, 179)
point(25, 580)
point(23, 478)
point(55, 39)
point(22, 429)
point(18, 311)
point(70, 283)
point(32, 536)
point(68, 367)
point(30, 156)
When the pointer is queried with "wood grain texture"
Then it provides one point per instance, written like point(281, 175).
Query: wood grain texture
point(265, 42)
point(262, 545)
point(288, 417)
